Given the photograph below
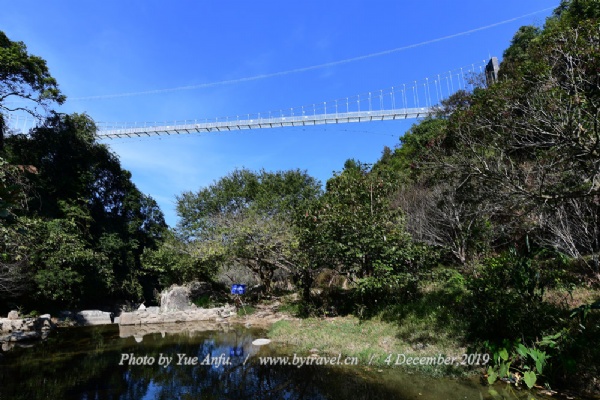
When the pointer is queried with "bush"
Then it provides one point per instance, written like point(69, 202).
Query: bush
point(396, 283)
point(505, 300)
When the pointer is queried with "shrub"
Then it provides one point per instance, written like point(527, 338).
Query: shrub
point(505, 300)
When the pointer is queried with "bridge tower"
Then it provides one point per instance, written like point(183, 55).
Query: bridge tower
point(491, 71)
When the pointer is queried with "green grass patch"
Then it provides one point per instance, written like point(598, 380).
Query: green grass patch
point(203, 301)
point(289, 308)
point(374, 342)
point(246, 310)
point(428, 326)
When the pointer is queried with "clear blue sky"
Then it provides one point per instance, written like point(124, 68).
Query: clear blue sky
point(105, 48)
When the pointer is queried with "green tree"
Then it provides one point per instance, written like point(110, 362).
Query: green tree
point(92, 209)
point(529, 143)
point(174, 262)
point(25, 81)
point(354, 230)
point(15, 236)
point(358, 217)
point(62, 260)
point(16, 241)
point(246, 219)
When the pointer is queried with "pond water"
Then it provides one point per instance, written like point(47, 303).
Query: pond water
point(108, 363)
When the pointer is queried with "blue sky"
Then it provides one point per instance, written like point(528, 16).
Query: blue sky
point(108, 48)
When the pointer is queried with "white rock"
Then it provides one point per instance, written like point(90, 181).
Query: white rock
point(261, 342)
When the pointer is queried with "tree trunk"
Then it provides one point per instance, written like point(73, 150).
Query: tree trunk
point(306, 281)
point(2, 129)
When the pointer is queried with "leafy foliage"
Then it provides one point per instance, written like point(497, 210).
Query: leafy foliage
point(90, 224)
point(25, 77)
point(507, 298)
point(245, 219)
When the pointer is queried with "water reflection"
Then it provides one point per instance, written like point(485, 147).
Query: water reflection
point(105, 363)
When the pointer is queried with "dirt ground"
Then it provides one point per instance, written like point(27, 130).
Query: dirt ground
point(264, 315)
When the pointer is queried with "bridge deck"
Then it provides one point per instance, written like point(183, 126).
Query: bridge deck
point(262, 123)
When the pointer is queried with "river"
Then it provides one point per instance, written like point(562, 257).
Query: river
point(217, 362)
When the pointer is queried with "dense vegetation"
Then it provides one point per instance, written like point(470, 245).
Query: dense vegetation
point(485, 217)
point(73, 225)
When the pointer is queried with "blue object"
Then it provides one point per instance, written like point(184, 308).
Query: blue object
point(236, 352)
point(238, 289)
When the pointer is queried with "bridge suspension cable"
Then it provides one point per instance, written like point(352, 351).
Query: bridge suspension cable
point(382, 104)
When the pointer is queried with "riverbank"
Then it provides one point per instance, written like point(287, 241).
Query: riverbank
point(374, 343)
point(378, 347)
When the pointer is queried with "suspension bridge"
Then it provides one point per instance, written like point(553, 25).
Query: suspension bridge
point(417, 99)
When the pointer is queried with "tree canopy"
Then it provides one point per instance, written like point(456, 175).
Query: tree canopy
point(245, 219)
point(25, 83)
point(81, 225)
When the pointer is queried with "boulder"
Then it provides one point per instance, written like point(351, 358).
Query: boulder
point(176, 298)
point(24, 330)
point(128, 318)
point(44, 323)
point(94, 317)
point(20, 336)
point(13, 315)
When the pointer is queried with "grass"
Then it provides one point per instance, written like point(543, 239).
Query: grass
point(572, 298)
point(424, 327)
point(435, 323)
point(245, 310)
point(371, 341)
point(289, 308)
point(203, 301)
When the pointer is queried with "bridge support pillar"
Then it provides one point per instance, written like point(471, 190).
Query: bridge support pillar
point(491, 71)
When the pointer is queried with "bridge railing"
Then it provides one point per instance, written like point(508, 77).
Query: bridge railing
point(400, 101)
point(261, 123)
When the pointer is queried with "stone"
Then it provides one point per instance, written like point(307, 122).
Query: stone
point(152, 315)
point(177, 298)
point(13, 315)
point(93, 317)
point(23, 330)
point(19, 336)
point(127, 318)
point(261, 342)
point(141, 307)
